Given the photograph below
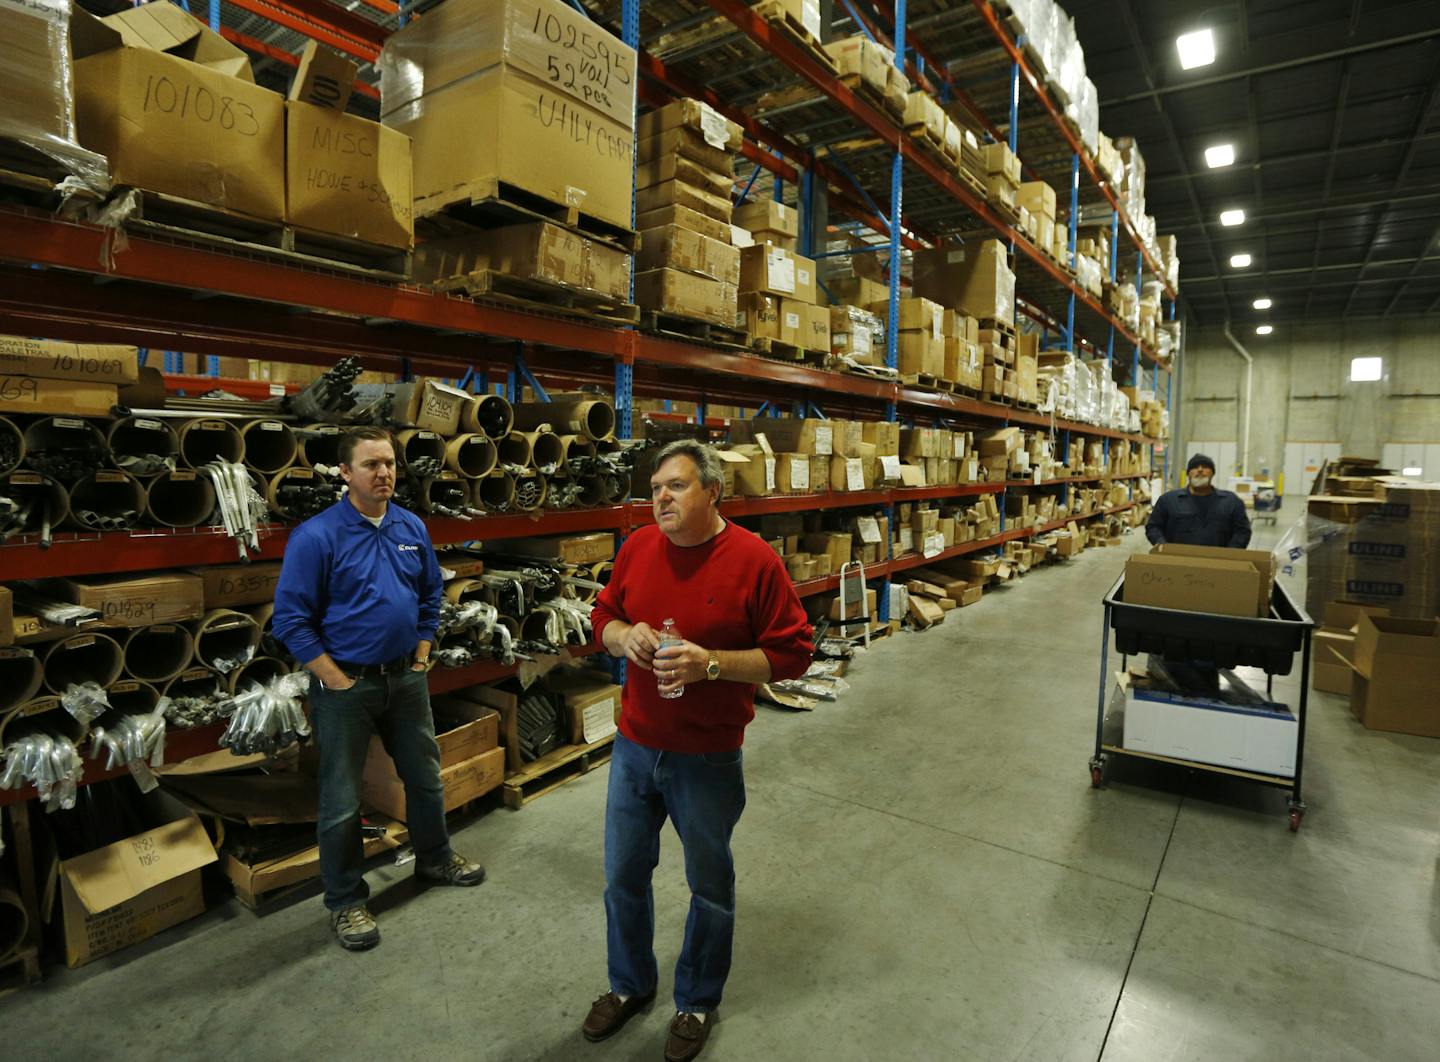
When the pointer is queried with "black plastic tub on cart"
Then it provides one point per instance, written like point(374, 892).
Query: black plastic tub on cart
point(1269, 643)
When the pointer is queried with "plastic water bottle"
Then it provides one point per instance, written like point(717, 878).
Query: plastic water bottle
point(670, 635)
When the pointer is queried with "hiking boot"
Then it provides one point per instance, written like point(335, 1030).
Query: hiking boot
point(688, 1034)
point(608, 1015)
point(355, 928)
point(457, 871)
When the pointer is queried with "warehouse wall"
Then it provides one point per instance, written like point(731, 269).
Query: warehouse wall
point(1302, 387)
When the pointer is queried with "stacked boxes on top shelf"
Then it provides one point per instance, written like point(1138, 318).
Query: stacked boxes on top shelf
point(1002, 179)
point(976, 281)
point(779, 289)
point(688, 264)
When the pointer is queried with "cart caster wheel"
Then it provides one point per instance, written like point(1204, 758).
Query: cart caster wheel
point(1096, 777)
point(1295, 817)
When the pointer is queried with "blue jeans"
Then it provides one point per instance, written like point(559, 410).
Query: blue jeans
point(398, 709)
point(704, 796)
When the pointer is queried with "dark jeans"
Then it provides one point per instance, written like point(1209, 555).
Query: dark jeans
point(704, 796)
point(398, 709)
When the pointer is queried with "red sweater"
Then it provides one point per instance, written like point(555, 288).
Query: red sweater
point(732, 592)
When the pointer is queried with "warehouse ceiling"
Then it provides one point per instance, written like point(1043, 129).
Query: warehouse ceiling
point(1333, 108)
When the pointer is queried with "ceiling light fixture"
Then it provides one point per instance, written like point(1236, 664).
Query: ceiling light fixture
point(1239, 261)
point(1231, 218)
point(1364, 370)
point(1196, 49)
point(1262, 304)
point(1264, 330)
point(1412, 470)
point(1218, 155)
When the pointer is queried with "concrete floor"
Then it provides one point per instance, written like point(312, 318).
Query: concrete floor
point(924, 873)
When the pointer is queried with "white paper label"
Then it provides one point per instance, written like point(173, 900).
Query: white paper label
point(869, 529)
point(907, 540)
point(67, 422)
point(934, 544)
point(891, 464)
point(860, 341)
point(148, 425)
point(276, 390)
point(792, 321)
point(959, 446)
point(769, 473)
point(271, 425)
point(955, 256)
point(824, 440)
point(781, 269)
point(597, 721)
point(712, 127)
point(854, 474)
point(1037, 475)
point(938, 328)
point(802, 277)
point(800, 475)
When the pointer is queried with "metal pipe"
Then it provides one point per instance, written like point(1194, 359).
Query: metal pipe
point(1249, 380)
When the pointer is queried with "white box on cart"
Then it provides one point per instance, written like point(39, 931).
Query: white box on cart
point(1260, 739)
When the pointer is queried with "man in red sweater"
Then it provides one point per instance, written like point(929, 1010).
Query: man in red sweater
point(679, 756)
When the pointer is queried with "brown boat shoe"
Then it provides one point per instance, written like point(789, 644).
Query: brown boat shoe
point(609, 1013)
point(688, 1034)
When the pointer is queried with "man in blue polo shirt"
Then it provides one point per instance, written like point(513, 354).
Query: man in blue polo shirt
point(358, 602)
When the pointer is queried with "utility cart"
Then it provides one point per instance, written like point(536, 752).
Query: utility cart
point(1226, 642)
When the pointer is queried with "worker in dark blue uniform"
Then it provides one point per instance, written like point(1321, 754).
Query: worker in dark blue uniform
point(1197, 514)
point(358, 603)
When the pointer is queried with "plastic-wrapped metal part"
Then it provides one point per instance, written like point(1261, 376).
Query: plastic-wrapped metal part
point(37, 82)
point(85, 701)
point(130, 737)
point(267, 718)
point(49, 762)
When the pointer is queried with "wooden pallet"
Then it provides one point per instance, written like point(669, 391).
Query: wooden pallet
point(229, 230)
point(541, 295)
point(778, 16)
point(878, 100)
point(553, 770)
point(972, 182)
point(659, 322)
point(774, 348)
point(21, 970)
point(992, 325)
point(490, 203)
point(927, 382)
point(961, 391)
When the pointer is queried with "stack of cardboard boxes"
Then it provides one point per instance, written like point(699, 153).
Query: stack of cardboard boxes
point(1002, 178)
point(778, 293)
point(870, 69)
point(688, 265)
point(964, 366)
point(540, 114)
point(1038, 198)
point(920, 336)
point(975, 280)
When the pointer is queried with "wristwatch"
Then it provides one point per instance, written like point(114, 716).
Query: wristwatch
point(712, 669)
point(426, 662)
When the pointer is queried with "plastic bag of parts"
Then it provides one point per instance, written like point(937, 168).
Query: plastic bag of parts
point(49, 762)
point(130, 737)
point(268, 718)
point(86, 701)
point(1071, 57)
point(1087, 116)
point(37, 81)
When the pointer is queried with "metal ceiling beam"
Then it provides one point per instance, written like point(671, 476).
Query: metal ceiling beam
point(1341, 96)
point(1294, 210)
point(1422, 120)
point(1425, 255)
point(292, 18)
point(280, 55)
point(1333, 267)
point(1271, 68)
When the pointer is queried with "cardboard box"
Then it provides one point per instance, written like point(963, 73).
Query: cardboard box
point(852, 473)
point(684, 143)
point(976, 281)
point(806, 289)
point(756, 477)
point(766, 215)
point(430, 406)
point(763, 319)
point(128, 891)
point(1261, 560)
point(1396, 661)
point(691, 115)
point(860, 57)
point(1191, 583)
point(37, 95)
point(323, 78)
point(88, 363)
point(1038, 197)
point(29, 394)
point(545, 96)
point(382, 789)
point(175, 109)
point(792, 474)
point(768, 270)
point(569, 549)
point(231, 585)
point(853, 609)
point(816, 329)
point(7, 616)
point(658, 169)
point(803, 436)
point(1244, 738)
point(674, 247)
point(539, 251)
point(125, 601)
point(685, 218)
point(687, 295)
point(678, 193)
point(592, 703)
point(463, 730)
point(1000, 160)
point(348, 176)
point(1333, 646)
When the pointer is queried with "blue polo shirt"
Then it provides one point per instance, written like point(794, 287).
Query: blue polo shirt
point(363, 594)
